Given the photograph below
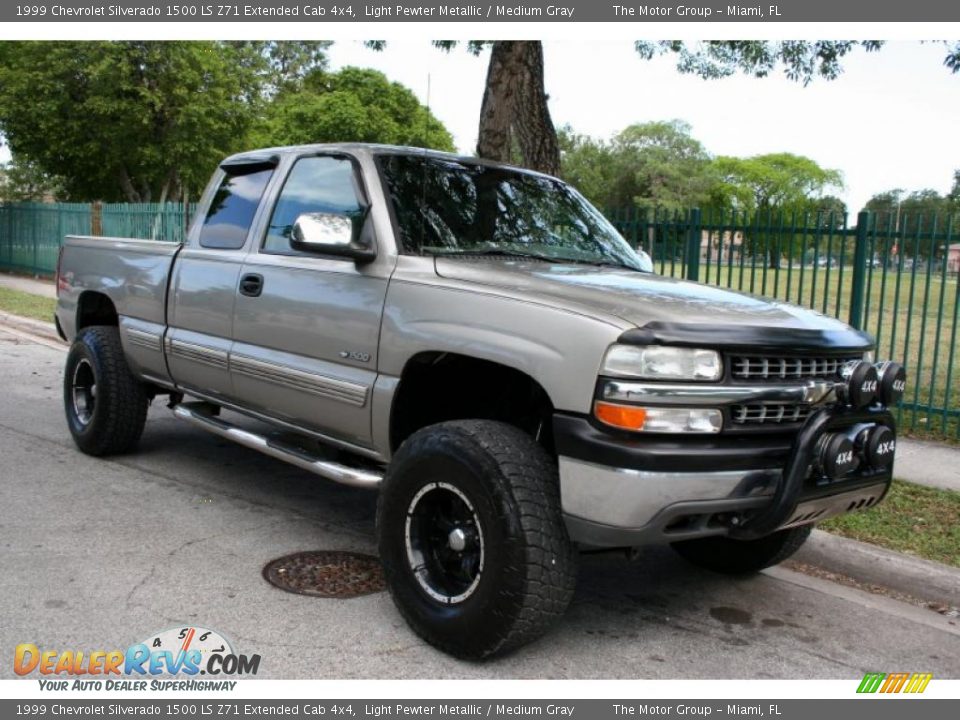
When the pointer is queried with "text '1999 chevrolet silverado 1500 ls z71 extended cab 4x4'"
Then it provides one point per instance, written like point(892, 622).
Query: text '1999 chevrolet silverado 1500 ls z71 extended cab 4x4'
point(479, 344)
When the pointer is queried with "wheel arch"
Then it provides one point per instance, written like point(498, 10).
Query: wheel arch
point(437, 386)
point(95, 308)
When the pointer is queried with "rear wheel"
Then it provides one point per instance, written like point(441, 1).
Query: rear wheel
point(106, 406)
point(740, 557)
point(474, 548)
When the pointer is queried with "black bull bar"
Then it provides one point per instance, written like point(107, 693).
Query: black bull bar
point(789, 491)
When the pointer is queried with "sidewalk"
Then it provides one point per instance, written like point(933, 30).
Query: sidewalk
point(918, 461)
point(46, 288)
point(928, 463)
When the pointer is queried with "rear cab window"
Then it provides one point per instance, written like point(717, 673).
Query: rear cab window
point(233, 207)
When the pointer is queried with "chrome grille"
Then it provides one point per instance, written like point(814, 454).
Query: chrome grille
point(768, 413)
point(764, 367)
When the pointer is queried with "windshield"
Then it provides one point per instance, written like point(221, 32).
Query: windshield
point(448, 207)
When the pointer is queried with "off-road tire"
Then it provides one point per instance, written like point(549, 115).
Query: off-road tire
point(742, 557)
point(120, 408)
point(529, 563)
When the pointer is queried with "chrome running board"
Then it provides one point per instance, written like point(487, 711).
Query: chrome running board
point(198, 414)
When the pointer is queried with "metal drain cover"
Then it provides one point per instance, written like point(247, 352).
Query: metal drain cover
point(326, 573)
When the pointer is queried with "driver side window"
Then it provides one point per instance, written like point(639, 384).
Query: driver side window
point(323, 184)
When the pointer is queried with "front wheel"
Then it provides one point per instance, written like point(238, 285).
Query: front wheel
point(741, 557)
point(472, 539)
point(106, 405)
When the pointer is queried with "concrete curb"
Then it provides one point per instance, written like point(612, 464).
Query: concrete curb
point(43, 330)
point(874, 565)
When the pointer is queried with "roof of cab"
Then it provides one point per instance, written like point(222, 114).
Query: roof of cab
point(263, 154)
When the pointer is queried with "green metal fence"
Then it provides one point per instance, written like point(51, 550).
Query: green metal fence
point(148, 221)
point(31, 233)
point(893, 276)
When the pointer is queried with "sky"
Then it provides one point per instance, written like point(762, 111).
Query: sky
point(892, 119)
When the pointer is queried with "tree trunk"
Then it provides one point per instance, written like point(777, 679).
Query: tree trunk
point(157, 228)
point(173, 179)
point(493, 142)
point(127, 186)
point(515, 108)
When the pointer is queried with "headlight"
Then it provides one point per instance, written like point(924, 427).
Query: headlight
point(659, 362)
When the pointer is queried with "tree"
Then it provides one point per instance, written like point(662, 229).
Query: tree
point(21, 180)
point(781, 180)
point(801, 60)
point(913, 213)
point(140, 121)
point(587, 164)
point(515, 111)
point(135, 121)
point(952, 60)
point(648, 165)
point(514, 116)
point(351, 105)
point(661, 165)
point(954, 195)
point(898, 203)
point(286, 64)
point(830, 211)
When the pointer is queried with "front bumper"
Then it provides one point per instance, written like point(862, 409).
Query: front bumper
point(626, 491)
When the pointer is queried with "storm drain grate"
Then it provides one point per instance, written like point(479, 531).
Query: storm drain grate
point(329, 574)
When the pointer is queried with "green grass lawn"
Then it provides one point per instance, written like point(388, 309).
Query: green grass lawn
point(913, 519)
point(27, 305)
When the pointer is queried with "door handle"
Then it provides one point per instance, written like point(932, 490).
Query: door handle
point(251, 285)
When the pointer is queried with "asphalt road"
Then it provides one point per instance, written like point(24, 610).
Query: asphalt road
point(99, 554)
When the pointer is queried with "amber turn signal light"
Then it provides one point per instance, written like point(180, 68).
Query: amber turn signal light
point(625, 417)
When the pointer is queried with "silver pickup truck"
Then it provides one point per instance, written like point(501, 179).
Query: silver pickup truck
point(479, 344)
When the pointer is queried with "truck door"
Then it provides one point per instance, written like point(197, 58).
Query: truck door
point(306, 326)
point(203, 288)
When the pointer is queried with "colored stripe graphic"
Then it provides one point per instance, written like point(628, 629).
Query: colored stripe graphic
point(871, 682)
point(895, 682)
point(918, 683)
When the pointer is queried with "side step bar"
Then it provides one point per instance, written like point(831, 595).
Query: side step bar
point(196, 414)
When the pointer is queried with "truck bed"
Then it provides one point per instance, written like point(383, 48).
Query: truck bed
point(134, 274)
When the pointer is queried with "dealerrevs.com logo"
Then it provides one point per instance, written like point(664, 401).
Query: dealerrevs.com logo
point(169, 660)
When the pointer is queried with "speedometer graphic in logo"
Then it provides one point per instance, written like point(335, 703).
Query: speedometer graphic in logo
point(186, 642)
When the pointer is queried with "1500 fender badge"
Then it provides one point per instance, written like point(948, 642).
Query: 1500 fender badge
point(354, 355)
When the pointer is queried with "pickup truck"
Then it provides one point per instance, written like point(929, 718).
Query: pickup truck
point(477, 343)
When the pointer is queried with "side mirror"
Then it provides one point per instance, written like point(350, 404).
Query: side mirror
point(330, 234)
